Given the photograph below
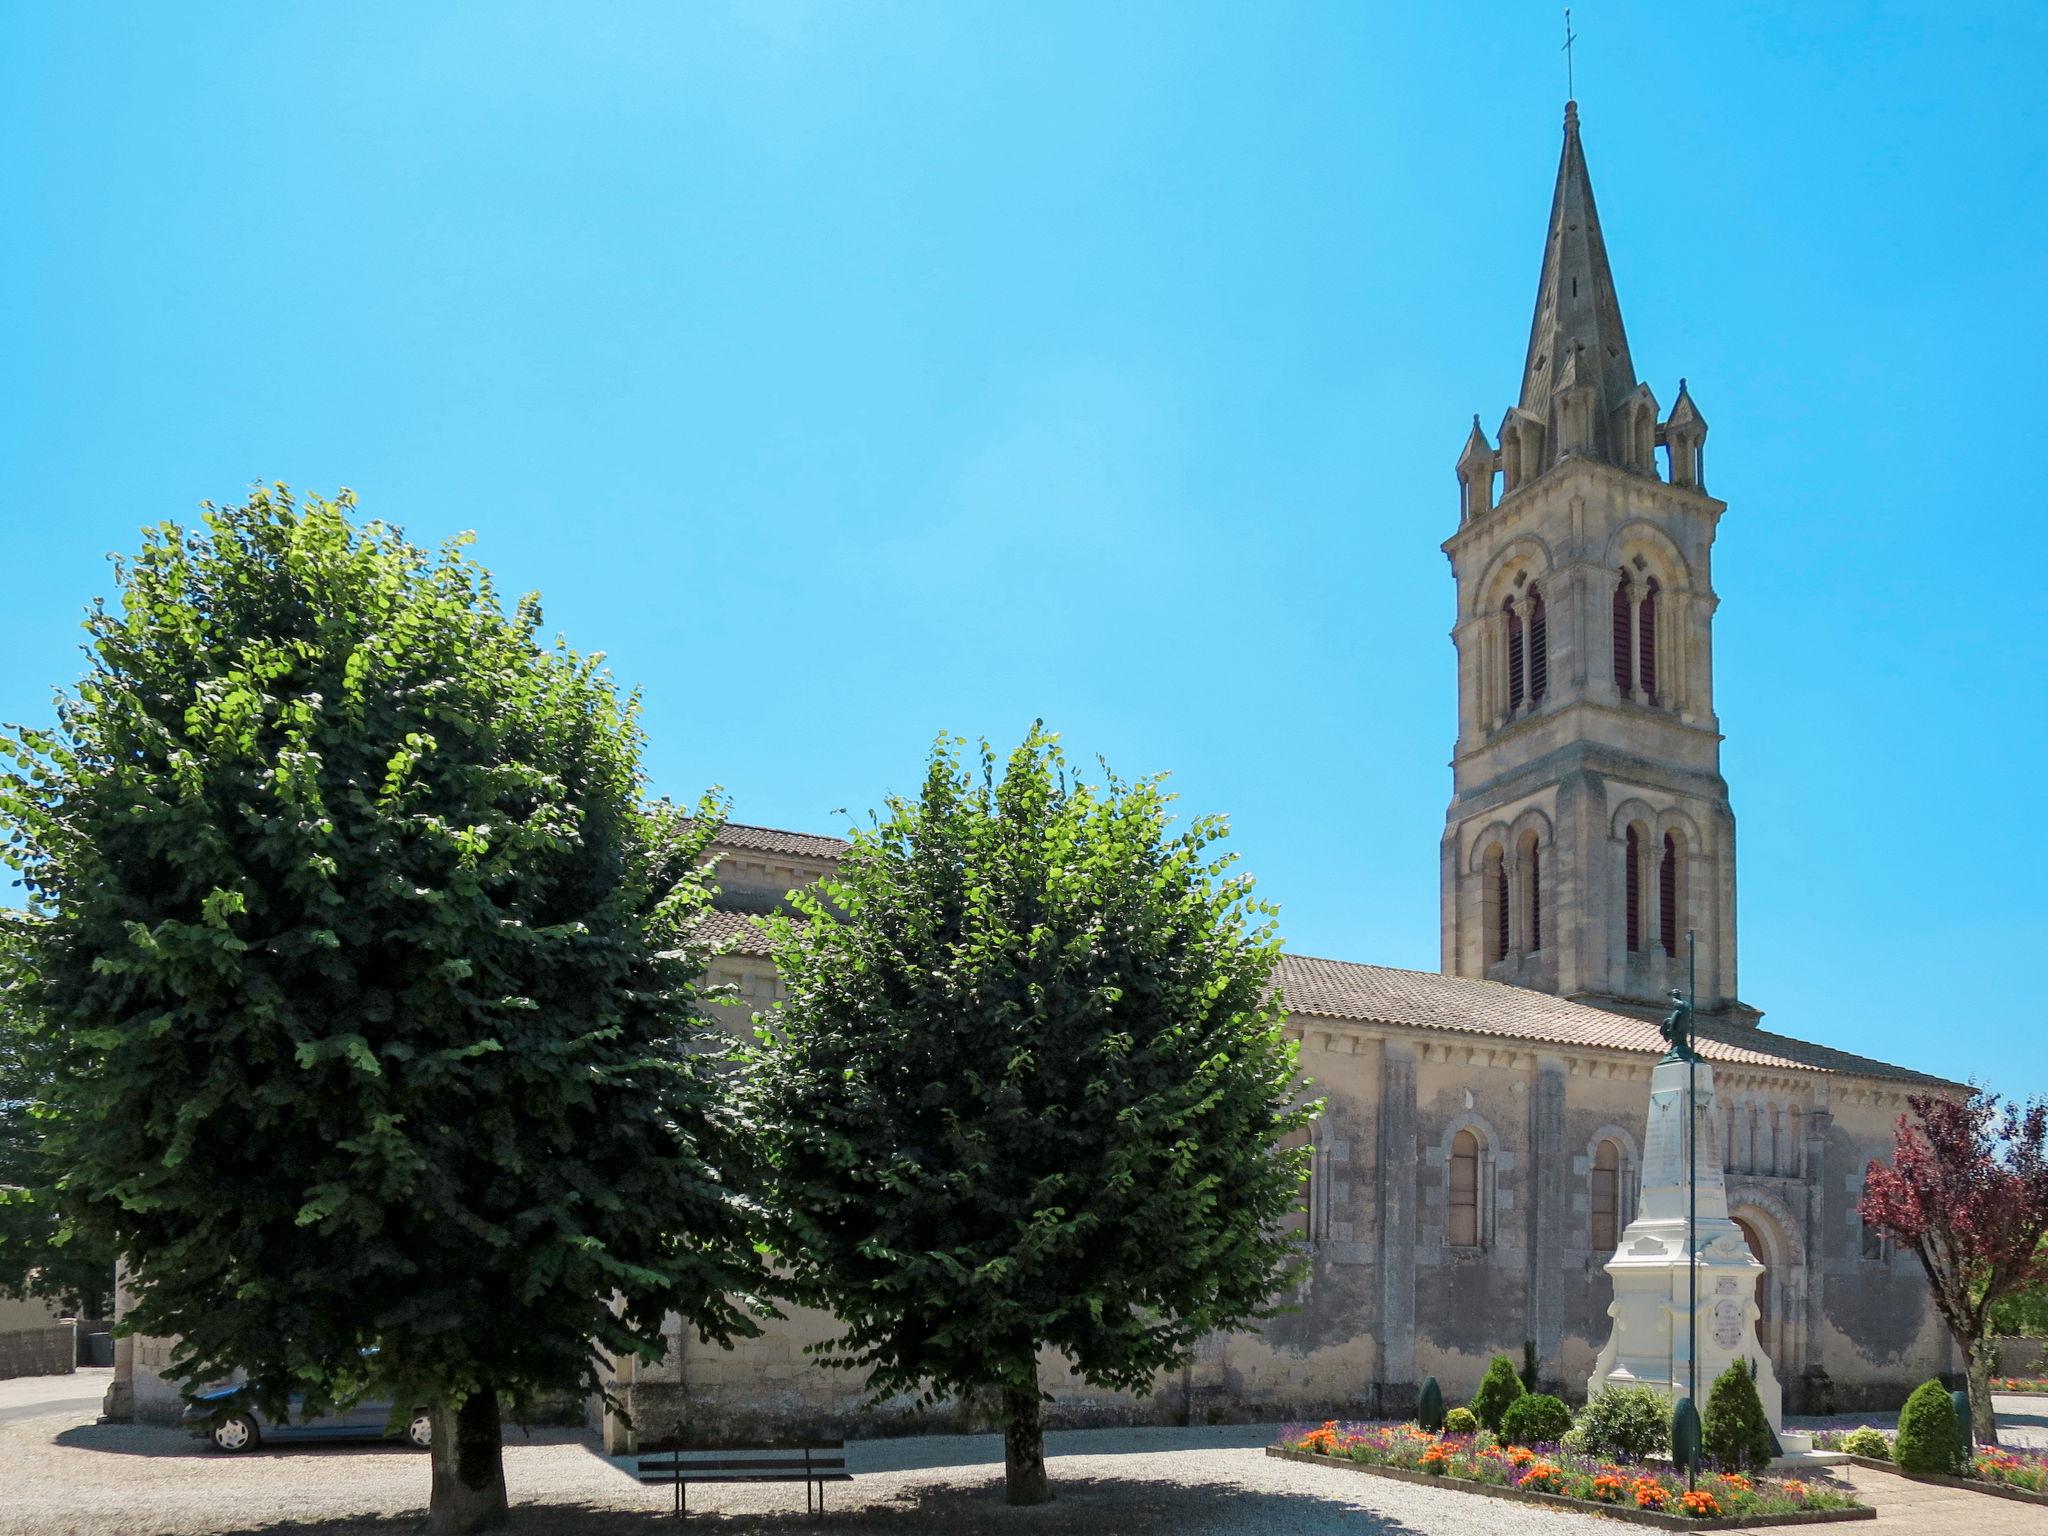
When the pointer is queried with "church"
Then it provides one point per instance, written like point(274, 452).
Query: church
point(1477, 1159)
point(1482, 1140)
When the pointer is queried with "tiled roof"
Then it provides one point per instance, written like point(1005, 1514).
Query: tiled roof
point(1378, 994)
point(736, 834)
point(735, 929)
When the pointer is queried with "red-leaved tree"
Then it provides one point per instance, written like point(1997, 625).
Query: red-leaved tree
point(1967, 1190)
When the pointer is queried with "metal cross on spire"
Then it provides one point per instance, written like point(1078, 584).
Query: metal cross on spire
point(1570, 37)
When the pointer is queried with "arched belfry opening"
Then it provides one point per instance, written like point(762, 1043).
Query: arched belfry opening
point(1583, 627)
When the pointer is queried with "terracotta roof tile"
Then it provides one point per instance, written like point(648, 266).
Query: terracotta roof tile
point(738, 930)
point(1378, 994)
point(736, 834)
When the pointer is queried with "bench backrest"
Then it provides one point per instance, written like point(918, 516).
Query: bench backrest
point(733, 1461)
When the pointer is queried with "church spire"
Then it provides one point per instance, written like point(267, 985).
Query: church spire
point(1576, 339)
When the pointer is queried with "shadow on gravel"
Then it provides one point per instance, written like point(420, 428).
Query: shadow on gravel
point(162, 1440)
point(1081, 1507)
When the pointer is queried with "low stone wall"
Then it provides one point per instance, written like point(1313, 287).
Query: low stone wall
point(2020, 1357)
point(51, 1351)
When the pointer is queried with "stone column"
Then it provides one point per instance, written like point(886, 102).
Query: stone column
point(1549, 1223)
point(1398, 1157)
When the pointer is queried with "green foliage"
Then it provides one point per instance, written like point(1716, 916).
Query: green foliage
point(1497, 1389)
point(1461, 1421)
point(1528, 1365)
point(1535, 1418)
point(1630, 1422)
point(364, 975)
point(1869, 1442)
point(1429, 1406)
point(1928, 1433)
point(2023, 1314)
point(75, 1274)
point(1735, 1435)
point(1028, 1087)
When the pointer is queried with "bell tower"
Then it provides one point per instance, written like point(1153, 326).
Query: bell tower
point(1589, 824)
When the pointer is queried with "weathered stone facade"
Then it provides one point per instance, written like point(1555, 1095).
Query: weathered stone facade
point(1479, 1148)
point(1589, 830)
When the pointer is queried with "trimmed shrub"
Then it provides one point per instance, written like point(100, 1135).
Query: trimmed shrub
point(1461, 1421)
point(1501, 1387)
point(1867, 1442)
point(1627, 1422)
point(1735, 1434)
point(1535, 1418)
point(1429, 1406)
point(1927, 1431)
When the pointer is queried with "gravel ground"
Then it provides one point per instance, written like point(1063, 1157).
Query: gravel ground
point(63, 1475)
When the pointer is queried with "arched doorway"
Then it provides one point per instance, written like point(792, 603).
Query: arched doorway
point(1765, 1334)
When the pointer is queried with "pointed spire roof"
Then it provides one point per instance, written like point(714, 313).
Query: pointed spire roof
point(1578, 314)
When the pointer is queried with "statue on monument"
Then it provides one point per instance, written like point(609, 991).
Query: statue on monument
point(1677, 1027)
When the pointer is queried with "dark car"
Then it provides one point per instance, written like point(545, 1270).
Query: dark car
point(228, 1416)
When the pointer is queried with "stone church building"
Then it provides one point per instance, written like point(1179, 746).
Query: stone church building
point(1478, 1156)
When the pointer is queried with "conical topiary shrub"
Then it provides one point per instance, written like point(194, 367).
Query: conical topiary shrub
point(1735, 1433)
point(1500, 1387)
point(1927, 1431)
point(1429, 1406)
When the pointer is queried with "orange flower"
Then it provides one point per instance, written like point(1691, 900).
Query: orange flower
point(1649, 1493)
point(1795, 1488)
point(1608, 1488)
point(1520, 1455)
point(1437, 1459)
point(1700, 1503)
point(1737, 1481)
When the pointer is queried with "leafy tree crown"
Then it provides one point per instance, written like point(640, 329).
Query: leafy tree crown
point(364, 969)
point(1029, 1084)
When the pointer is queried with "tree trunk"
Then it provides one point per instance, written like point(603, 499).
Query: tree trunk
point(1024, 1479)
point(469, 1468)
point(1983, 1420)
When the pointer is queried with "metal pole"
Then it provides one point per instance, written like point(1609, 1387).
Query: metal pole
point(1692, 1196)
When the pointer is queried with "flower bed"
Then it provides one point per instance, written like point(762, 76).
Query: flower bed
point(2021, 1384)
point(1645, 1493)
point(2019, 1471)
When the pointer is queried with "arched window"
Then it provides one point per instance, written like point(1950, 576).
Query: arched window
point(1632, 891)
point(1539, 647)
point(1606, 1197)
point(1463, 1230)
point(1532, 862)
point(1763, 1282)
point(1646, 631)
point(1515, 676)
point(1624, 666)
point(1667, 896)
point(1496, 906)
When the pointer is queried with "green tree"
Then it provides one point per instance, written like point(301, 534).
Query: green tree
point(1735, 1433)
point(1498, 1389)
point(1028, 1091)
point(364, 969)
point(33, 1262)
point(1930, 1437)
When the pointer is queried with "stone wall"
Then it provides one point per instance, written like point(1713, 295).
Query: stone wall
point(2020, 1357)
point(47, 1351)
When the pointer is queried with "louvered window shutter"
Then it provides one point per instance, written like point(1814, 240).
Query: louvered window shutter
point(1624, 672)
point(1632, 891)
point(1514, 659)
point(1535, 898)
point(1667, 897)
point(1647, 624)
point(1500, 903)
point(1539, 647)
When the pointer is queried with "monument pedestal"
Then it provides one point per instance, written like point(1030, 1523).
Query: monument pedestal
point(1653, 1265)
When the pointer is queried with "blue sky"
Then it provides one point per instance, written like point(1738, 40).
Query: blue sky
point(851, 373)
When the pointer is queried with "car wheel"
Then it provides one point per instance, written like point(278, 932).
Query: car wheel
point(420, 1432)
point(236, 1432)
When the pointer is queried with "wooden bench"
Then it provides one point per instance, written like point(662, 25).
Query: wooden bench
point(815, 1464)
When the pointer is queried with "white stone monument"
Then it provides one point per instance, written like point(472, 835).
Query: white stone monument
point(1652, 1282)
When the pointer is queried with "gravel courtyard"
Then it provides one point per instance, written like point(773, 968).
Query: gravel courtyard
point(60, 1473)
